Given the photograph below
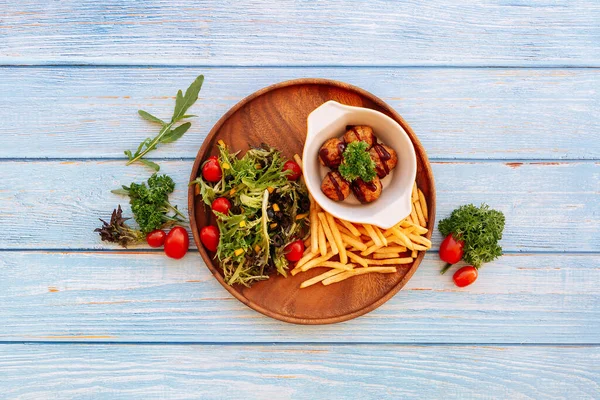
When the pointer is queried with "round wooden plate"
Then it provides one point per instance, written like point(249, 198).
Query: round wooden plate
point(276, 115)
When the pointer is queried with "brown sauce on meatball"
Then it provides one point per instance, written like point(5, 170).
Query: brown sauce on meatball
point(384, 156)
point(358, 193)
point(336, 186)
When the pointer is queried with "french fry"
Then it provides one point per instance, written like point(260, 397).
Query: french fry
point(421, 240)
point(338, 239)
point(353, 242)
point(391, 261)
point(321, 237)
point(370, 250)
point(413, 216)
point(319, 278)
point(345, 231)
point(360, 271)
point(419, 247)
point(350, 227)
point(328, 233)
point(420, 216)
point(373, 235)
point(400, 235)
point(381, 235)
point(307, 242)
point(316, 261)
point(415, 194)
point(306, 259)
point(337, 265)
point(391, 249)
point(408, 230)
point(358, 259)
point(298, 161)
point(314, 227)
point(382, 256)
point(418, 229)
point(362, 231)
point(414, 254)
point(423, 205)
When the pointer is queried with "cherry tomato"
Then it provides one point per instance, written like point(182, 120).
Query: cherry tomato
point(293, 251)
point(222, 205)
point(211, 171)
point(213, 158)
point(465, 276)
point(209, 236)
point(295, 168)
point(156, 238)
point(177, 242)
point(451, 250)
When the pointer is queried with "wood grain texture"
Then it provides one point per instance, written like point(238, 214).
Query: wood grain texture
point(262, 118)
point(456, 113)
point(299, 372)
point(490, 32)
point(548, 206)
point(137, 296)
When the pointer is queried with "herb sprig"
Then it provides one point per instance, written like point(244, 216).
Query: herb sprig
point(117, 230)
point(357, 163)
point(150, 204)
point(480, 228)
point(168, 132)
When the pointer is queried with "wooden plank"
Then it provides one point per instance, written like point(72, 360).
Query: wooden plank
point(457, 113)
point(548, 206)
point(490, 32)
point(104, 296)
point(299, 372)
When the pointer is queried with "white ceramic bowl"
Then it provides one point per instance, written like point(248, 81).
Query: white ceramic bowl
point(330, 120)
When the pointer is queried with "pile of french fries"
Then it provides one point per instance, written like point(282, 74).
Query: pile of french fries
point(349, 249)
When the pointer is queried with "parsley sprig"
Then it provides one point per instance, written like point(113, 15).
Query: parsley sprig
point(480, 228)
point(168, 132)
point(357, 163)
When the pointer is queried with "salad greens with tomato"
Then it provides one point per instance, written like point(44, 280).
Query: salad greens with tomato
point(261, 209)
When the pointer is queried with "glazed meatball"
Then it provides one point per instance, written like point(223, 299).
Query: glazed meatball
point(385, 159)
point(335, 187)
point(331, 152)
point(367, 192)
point(359, 133)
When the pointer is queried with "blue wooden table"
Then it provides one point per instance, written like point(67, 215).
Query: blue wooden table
point(504, 95)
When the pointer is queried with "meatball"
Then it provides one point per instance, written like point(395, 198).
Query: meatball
point(335, 187)
point(385, 159)
point(362, 133)
point(331, 152)
point(367, 192)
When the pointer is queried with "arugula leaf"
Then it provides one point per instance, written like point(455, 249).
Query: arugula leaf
point(168, 132)
point(149, 117)
point(150, 164)
point(176, 133)
point(182, 103)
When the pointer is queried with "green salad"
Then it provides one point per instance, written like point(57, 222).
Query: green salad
point(268, 211)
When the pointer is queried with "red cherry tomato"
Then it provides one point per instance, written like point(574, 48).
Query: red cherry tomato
point(213, 158)
point(451, 250)
point(465, 276)
point(295, 168)
point(177, 242)
point(222, 205)
point(211, 171)
point(293, 251)
point(156, 238)
point(209, 236)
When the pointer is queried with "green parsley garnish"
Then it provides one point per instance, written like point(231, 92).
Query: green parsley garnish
point(357, 163)
point(150, 204)
point(480, 228)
